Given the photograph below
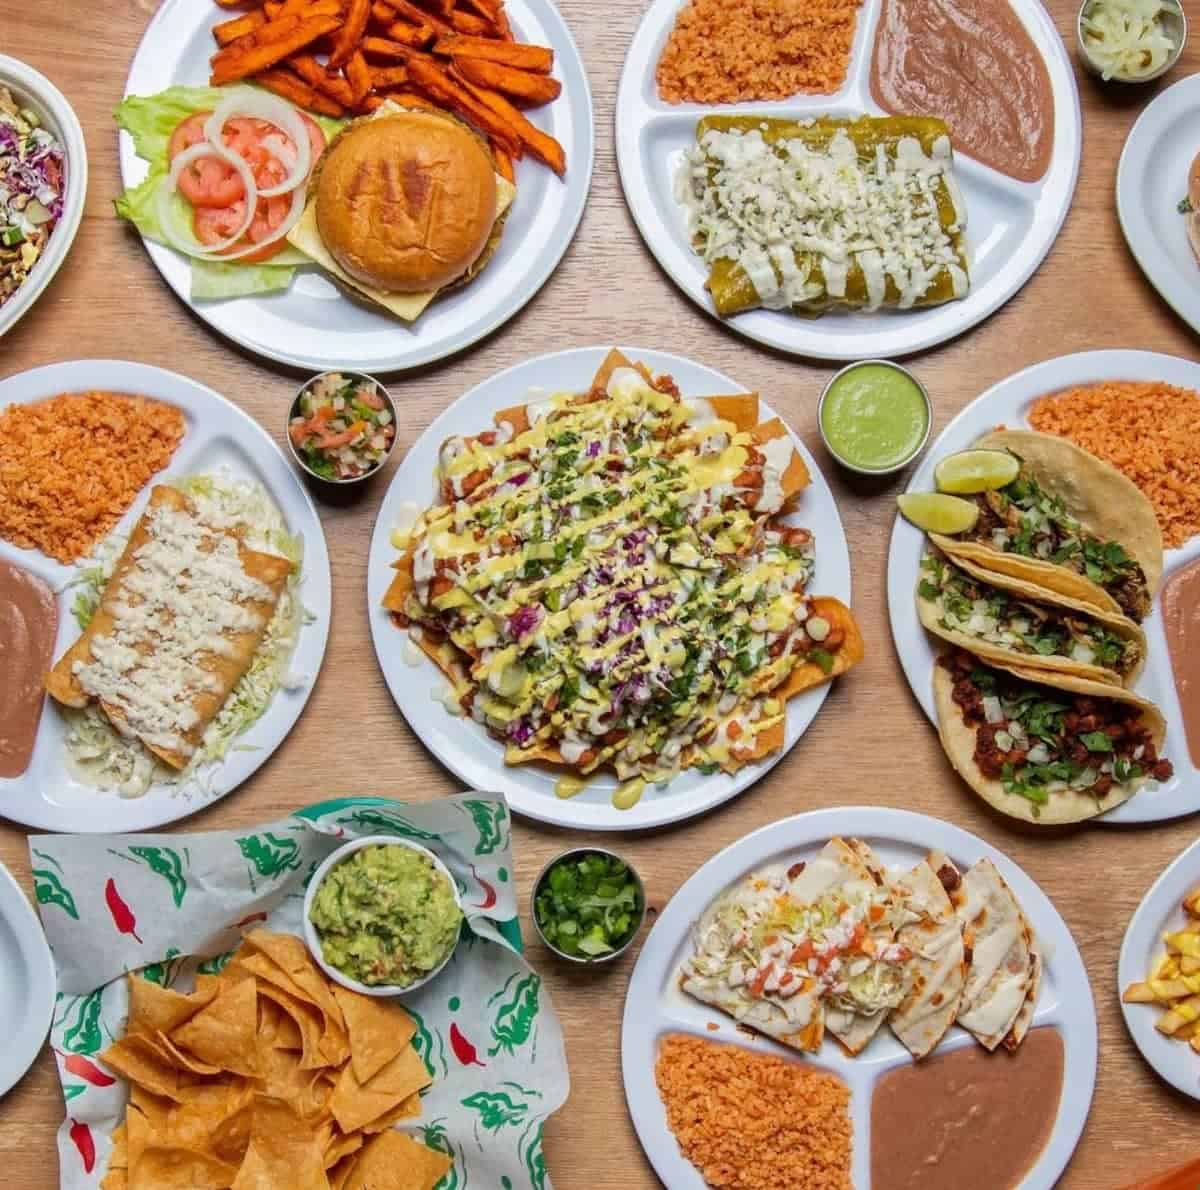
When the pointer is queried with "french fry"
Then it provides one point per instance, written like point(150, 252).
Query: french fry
point(1191, 903)
point(358, 75)
point(259, 50)
point(1181, 1012)
point(522, 85)
point(1139, 993)
point(313, 73)
point(383, 77)
point(283, 82)
point(346, 39)
point(543, 146)
point(392, 51)
point(228, 31)
point(504, 163)
point(537, 58)
point(430, 78)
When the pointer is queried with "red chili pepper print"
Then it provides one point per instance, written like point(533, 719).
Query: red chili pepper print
point(246, 921)
point(464, 1051)
point(489, 892)
point(122, 915)
point(78, 1065)
point(81, 1138)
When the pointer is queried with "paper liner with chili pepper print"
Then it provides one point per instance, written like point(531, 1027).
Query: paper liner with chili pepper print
point(172, 905)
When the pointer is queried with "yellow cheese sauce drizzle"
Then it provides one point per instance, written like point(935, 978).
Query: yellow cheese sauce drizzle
point(612, 571)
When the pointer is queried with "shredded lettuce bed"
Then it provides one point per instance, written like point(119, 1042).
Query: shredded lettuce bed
point(102, 757)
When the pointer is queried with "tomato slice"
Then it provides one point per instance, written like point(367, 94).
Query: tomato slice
point(213, 224)
point(212, 183)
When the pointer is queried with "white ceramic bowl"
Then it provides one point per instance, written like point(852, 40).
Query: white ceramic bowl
point(33, 90)
point(313, 938)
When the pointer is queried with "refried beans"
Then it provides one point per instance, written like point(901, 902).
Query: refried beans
point(28, 626)
point(972, 63)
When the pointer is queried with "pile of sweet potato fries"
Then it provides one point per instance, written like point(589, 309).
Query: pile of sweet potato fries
point(347, 57)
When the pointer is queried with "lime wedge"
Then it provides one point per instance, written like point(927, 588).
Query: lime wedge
point(976, 471)
point(936, 513)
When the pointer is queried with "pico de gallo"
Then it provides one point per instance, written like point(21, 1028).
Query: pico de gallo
point(32, 186)
point(342, 426)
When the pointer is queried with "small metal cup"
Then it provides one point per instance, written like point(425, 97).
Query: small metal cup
point(1174, 22)
point(584, 960)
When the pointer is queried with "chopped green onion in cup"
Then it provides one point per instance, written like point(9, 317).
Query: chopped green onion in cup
point(588, 906)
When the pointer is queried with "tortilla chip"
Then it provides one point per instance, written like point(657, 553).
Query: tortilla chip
point(182, 1060)
point(282, 1077)
point(379, 1029)
point(307, 1020)
point(283, 1152)
point(393, 1161)
point(291, 955)
point(115, 1179)
point(154, 1009)
point(118, 1158)
point(166, 1167)
point(795, 477)
point(225, 1033)
point(139, 1059)
point(406, 1109)
point(740, 409)
point(355, 1104)
point(342, 1145)
point(152, 1109)
point(339, 1174)
point(808, 674)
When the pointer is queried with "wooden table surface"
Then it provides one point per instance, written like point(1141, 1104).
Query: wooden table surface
point(869, 745)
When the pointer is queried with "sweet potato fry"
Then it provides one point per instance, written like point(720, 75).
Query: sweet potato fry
point(383, 77)
point(414, 35)
point(260, 50)
point(392, 51)
point(291, 87)
point(470, 24)
point(273, 8)
point(537, 58)
point(504, 163)
point(430, 78)
point(358, 75)
point(403, 98)
point(306, 9)
point(382, 14)
point(239, 3)
point(228, 31)
point(407, 11)
point(346, 39)
point(313, 73)
point(522, 85)
point(543, 146)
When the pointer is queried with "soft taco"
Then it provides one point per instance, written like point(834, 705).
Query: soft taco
point(1011, 621)
point(1070, 523)
point(1045, 747)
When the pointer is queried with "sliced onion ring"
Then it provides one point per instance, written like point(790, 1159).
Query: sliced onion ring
point(170, 183)
point(258, 105)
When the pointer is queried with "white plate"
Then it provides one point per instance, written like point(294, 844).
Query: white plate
point(1151, 179)
point(655, 1006)
point(1010, 224)
point(1159, 913)
point(218, 434)
point(313, 325)
point(1006, 404)
point(26, 982)
point(464, 747)
point(33, 90)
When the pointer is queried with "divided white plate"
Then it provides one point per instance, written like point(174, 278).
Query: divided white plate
point(26, 982)
point(314, 325)
point(1007, 404)
point(1152, 177)
point(1159, 913)
point(463, 746)
point(218, 434)
point(1010, 225)
point(654, 1005)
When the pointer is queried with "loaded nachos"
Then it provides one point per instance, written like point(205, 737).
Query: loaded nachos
point(608, 583)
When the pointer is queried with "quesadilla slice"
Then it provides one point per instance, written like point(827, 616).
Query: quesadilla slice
point(999, 941)
point(177, 626)
point(936, 973)
point(1025, 1017)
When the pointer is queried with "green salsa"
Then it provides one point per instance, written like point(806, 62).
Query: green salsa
point(874, 417)
point(386, 915)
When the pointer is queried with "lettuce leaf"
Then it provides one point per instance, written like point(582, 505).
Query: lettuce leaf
point(150, 120)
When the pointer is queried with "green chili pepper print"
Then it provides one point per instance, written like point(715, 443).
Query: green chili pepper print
point(533, 1157)
point(434, 1136)
point(269, 855)
point(383, 822)
point(74, 1089)
point(50, 890)
point(161, 973)
point(165, 862)
point(489, 818)
point(513, 1023)
point(429, 1046)
point(215, 965)
point(83, 1034)
point(496, 1109)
